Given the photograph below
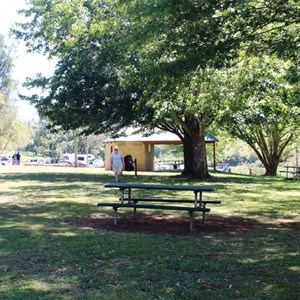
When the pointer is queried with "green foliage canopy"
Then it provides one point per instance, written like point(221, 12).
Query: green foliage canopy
point(111, 52)
point(145, 62)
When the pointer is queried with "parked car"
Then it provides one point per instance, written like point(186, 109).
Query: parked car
point(222, 168)
point(35, 162)
point(5, 160)
point(63, 163)
point(98, 162)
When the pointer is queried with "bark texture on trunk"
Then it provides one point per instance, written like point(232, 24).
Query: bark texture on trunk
point(271, 170)
point(194, 146)
point(188, 155)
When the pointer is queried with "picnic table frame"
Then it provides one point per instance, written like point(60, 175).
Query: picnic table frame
point(198, 190)
point(294, 171)
point(131, 202)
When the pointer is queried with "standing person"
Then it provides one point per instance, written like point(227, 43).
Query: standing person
point(117, 162)
point(14, 159)
point(18, 156)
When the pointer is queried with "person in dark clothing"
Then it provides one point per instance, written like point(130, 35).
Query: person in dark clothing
point(18, 157)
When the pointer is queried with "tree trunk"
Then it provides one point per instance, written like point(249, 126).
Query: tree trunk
point(187, 156)
point(269, 148)
point(270, 162)
point(195, 161)
point(271, 166)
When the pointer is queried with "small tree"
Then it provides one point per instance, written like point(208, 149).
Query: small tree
point(13, 133)
point(264, 111)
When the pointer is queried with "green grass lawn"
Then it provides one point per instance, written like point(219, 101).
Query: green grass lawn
point(44, 257)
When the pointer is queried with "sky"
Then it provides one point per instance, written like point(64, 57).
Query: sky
point(26, 65)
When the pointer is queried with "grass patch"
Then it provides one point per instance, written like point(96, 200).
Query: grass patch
point(43, 256)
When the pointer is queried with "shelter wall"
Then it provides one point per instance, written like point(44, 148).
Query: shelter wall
point(143, 153)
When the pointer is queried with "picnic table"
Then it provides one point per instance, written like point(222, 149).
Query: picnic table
point(170, 164)
point(292, 172)
point(126, 200)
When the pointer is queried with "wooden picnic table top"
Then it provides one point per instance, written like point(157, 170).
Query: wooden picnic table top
point(194, 188)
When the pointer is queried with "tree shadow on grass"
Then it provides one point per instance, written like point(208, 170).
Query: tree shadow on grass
point(80, 257)
point(54, 177)
point(142, 177)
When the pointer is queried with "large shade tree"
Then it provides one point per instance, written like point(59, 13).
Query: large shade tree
point(177, 43)
point(149, 62)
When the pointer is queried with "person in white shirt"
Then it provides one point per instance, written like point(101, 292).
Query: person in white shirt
point(117, 163)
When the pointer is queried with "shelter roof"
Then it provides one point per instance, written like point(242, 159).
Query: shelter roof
point(157, 138)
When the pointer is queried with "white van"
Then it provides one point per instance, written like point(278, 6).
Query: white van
point(82, 158)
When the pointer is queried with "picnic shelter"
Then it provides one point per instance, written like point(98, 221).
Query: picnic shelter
point(142, 147)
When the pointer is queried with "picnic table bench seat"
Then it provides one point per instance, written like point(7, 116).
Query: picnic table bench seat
point(190, 210)
point(204, 202)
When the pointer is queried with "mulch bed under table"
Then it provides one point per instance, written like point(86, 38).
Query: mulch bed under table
point(150, 224)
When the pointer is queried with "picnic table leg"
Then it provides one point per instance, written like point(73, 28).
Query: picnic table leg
point(191, 220)
point(115, 215)
point(196, 198)
point(122, 195)
point(129, 195)
point(198, 201)
point(203, 213)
